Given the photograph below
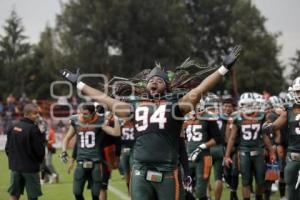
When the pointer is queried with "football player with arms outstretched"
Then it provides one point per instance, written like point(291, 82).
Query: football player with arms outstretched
point(157, 122)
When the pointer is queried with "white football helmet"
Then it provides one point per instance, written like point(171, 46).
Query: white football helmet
point(296, 90)
point(276, 103)
point(247, 103)
point(260, 102)
point(289, 98)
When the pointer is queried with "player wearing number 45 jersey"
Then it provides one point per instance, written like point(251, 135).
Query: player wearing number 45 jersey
point(202, 132)
point(248, 126)
point(89, 128)
point(157, 129)
point(291, 117)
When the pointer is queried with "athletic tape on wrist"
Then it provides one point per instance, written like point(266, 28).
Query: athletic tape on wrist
point(203, 146)
point(80, 85)
point(223, 70)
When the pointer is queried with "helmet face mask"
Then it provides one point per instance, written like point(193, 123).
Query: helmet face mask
point(211, 104)
point(260, 102)
point(296, 90)
point(247, 103)
point(247, 108)
point(276, 104)
point(296, 95)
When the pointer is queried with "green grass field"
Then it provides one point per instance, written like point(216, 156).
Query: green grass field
point(63, 190)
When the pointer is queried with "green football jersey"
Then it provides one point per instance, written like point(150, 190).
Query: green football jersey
point(250, 131)
point(88, 138)
point(157, 132)
point(196, 131)
point(294, 129)
point(271, 117)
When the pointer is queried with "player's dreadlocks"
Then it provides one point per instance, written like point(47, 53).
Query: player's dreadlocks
point(185, 77)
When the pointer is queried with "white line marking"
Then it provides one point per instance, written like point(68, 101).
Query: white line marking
point(118, 193)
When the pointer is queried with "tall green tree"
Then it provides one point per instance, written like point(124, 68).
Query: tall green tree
point(141, 32)
point(295, 64)
point(217, 24)
point(45, 62)
point(14, 56)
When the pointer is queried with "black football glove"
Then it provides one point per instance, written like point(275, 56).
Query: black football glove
point(231, 58)
point(69, 76)
point(64, 157)
point(267, 128)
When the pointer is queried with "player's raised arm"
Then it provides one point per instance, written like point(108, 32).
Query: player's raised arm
point(113, 131)
point(230, 144)
point(120, 108)
point(190, 100)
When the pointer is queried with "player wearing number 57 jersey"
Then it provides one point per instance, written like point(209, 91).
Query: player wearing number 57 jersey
point(248, 128)
point(89, 129)
point(291, 117)
point(157, 130)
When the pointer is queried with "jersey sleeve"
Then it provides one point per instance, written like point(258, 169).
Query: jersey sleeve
point(177, 111)
point(74, 152)
point(183, 157)
point(214, 131)
point(72, 121)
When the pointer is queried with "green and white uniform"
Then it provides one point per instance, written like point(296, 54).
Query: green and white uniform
point(292, 169)
point(155, 152)
point(89, 156)
point(127, 142)
point(217, 151)
point(199, 131)
point(252, 160)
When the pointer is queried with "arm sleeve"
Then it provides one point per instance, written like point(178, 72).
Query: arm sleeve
point(183, 157)
point(8, 134)
point(38, 143)
point(74, 152)
point(118, 146)
point(177, 111)
point(214, 131)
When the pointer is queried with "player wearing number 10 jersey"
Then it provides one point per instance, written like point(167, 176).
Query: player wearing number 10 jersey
point(248, 126)
point(90, 130)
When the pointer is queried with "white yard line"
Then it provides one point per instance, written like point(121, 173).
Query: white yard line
point(120, 194)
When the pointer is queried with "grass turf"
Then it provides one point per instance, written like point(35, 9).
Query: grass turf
point(63, 190)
